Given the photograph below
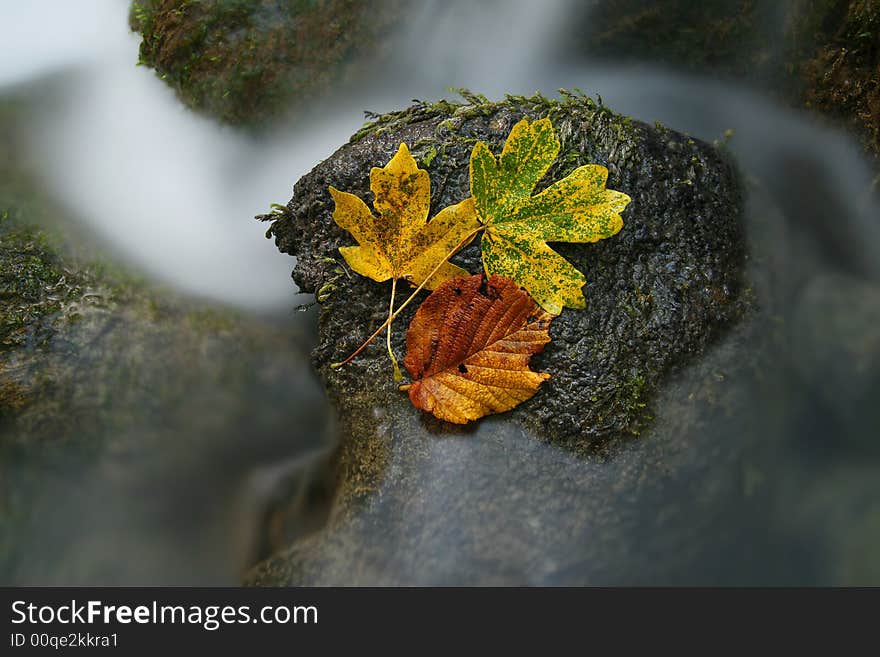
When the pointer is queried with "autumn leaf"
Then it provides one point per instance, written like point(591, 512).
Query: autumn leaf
point(400, 243)
point(469, 345)
point(518, 225)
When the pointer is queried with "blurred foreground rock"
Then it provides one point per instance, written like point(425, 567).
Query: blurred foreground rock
point(143, 436)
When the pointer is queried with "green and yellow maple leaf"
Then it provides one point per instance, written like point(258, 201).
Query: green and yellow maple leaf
point(518, 226)
point(400, 243)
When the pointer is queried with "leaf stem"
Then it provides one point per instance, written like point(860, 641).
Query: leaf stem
point(397, 375)
point(393, 315)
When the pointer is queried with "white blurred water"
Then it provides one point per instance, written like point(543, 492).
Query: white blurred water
point(175, 193)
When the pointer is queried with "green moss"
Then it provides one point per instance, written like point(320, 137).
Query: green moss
point(632, 403)
point(361, 462)
point(43, 284)
point(376, 124)
point(837, 48)
point(476, 105)
point(429, 156)
point(245, 62)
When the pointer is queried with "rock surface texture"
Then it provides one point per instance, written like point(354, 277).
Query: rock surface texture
point(125, 407)
point(657, 292)
point(246, 62)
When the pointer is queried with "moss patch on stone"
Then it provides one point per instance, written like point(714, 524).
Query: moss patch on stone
point(838, 43)
point(245, 62)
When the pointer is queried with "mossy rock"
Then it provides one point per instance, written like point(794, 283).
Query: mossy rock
point(420, 501)
point(657, 292)
point(121, 402)
point(247, 61)
point(108, 385)
point(838, 43)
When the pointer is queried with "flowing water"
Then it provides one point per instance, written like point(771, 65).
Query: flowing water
point(173, 194)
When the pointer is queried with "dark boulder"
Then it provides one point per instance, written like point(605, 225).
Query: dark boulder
point(559, 490)
point(657, 293)
point(247, 62)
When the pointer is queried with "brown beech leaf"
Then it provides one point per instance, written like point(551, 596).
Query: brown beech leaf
point(469, 345)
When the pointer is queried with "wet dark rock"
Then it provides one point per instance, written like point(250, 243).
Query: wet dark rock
point(559, 490)
point(684, 503)
point(245, 62)
point(753, 471)
point(132, 419)
point(657, 293)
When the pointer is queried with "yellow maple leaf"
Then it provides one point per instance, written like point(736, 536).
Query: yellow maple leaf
point(400, 243)
point(518, 225)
